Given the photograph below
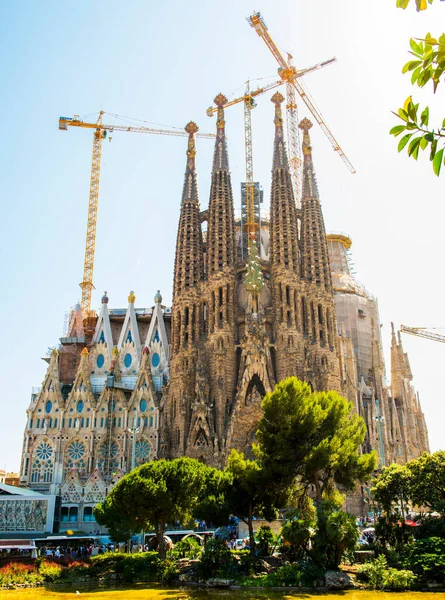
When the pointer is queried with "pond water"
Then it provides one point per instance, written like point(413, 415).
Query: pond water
point(157, 593)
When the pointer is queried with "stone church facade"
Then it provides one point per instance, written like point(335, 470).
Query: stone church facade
point(128, 386)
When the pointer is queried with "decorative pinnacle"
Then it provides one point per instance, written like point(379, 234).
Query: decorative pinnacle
point(191, 127)
point(220, 100)
point(277, 98)
point(145, 350)
point(305, 125)
point(115, 352)
point(131, 297)
point(105, 298)
point(84, 352)
point(158, 297)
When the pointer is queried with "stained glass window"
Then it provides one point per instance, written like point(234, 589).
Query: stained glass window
point(76, 450)
point(142, 451)
point(101, 339)
point(80, 406)
point(128, 360)
point(49, 406)
point(143, 405)
point(100, 360)
point(155, 359)
point(44, 451)
point(129, 338)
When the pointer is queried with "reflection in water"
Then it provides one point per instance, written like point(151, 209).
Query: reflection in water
point(158, 593)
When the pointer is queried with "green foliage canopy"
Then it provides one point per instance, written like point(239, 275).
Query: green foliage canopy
point(155, 493)
point(312, 436)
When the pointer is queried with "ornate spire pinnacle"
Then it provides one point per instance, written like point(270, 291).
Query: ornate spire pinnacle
point(190, 190)
point(189, 253)
point(220, 156)
point(131, 298)
point(105, 298)
point(283, 214)
point(158, 297)
point(315, 264)
point(221, 222)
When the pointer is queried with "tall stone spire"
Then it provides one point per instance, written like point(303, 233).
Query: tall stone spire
point(319, 311)
point(187, 310)
point(189, 252)
point(283, 214)
point(284, 258)
point(315, 259)
point(221, 223)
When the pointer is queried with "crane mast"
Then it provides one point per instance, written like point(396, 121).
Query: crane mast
point(100, 133)
point(289, 74)
point(250, 188)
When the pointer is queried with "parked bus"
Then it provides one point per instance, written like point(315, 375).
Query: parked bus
point(17, 550)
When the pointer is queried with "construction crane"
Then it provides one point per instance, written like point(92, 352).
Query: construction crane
point(100, 133)
point(249, 103)
point(423, 332)
point(289, 75)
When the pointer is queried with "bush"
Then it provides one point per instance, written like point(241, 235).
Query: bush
point(186, 548)
point(378, 577)
point(266, 540)
point(19, 573)
point(337, 532)
point(426, 558)
point(216, 560)
point(430, 527)
point(108, 562)
point(145, 566)
point(50, 571)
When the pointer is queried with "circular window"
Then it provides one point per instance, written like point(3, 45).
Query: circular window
point(143, 405)
point(44, 451)
point(49, 406)
point(155, 359)
point(100, 361)
point(128, 360)
point(80, 406)
point(76, 450)
point(142, 449)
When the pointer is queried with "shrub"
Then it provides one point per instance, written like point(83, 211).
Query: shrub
point(337, 532)
point(430, 527)
point(426, 558)
point(378, 577)
point(144, 566)
point(50, 571)
point(216, 560)
point(110, 561)
point(266, 540)
point(19, 573)
point(186, 548)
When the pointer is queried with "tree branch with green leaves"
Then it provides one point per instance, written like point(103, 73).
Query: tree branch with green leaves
point(429, 65)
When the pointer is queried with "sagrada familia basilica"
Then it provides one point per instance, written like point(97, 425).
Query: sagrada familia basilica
point(133, 385)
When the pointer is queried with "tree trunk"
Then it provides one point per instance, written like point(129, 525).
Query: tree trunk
point(160, 535)
point(251, 536)
point(318, 492)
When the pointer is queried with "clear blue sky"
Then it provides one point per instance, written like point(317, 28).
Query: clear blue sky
point(164, 62)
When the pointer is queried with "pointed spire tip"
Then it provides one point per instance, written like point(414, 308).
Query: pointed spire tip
point(277, 98)
point(305, 125)
point(220, 100)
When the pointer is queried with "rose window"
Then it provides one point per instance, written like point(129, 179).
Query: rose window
point(142, 450)
point(44, 451)
point(76, 450)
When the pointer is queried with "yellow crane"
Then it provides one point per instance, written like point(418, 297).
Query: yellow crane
point(290, 76)
point(100, 133)
point(423, 332)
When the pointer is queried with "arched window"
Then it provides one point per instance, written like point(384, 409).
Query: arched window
point(64, 514)
point(73, 513)
point(88, 514)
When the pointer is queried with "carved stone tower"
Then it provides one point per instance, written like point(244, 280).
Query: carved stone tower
point(220, 287)
point(187, 321)
point(287, 297)
point(319, 321)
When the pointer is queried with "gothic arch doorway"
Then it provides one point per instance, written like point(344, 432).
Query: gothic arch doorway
point(255, 390)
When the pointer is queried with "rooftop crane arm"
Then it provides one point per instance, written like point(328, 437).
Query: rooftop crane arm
point(422, 332)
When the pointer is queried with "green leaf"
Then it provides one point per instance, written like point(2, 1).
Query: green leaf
point(402, 114)
point(443, 124)
point(424, 142)
point(431, 41)
point(415, 75)
point(412, 111)
point(429, 136)
point(437, 162)
point(414, 143)
point(411, 65)
point(424, 117)
point(415, 46)
point(396, 130)
point(402, 3)
point(404, 141)
point(433, 147)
